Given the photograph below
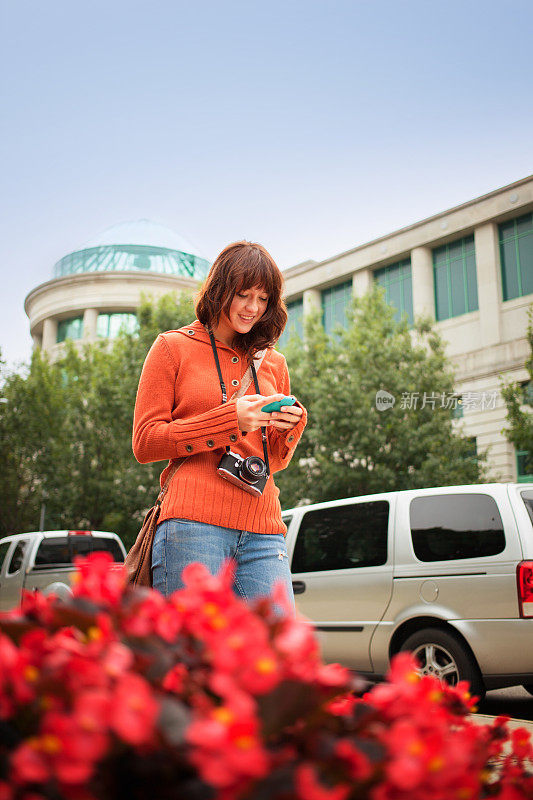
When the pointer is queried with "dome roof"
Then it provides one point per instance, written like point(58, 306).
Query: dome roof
point(138, 245)
point(145, 233)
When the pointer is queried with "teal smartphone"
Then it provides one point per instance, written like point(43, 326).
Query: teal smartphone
point(277, 404)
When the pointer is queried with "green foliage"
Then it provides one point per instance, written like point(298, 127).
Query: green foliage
point(520, 419)
point(65, 428)
point(65, 433)
point(168, 313)
point(349, 446)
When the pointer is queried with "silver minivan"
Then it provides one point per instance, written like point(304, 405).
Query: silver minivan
point(444, 572)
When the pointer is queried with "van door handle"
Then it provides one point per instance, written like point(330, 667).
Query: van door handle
point(298, 587)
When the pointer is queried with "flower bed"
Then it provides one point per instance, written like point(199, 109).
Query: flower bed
point(121, 693)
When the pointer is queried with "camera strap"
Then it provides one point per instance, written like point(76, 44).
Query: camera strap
point(225, 395)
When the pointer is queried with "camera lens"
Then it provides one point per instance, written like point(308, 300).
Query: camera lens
point(252, 468)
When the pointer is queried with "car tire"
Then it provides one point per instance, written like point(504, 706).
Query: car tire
point(441, 654)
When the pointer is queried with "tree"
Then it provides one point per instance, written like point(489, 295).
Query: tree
point(350, 447)
point(520, 419)
point(31, 428)
point(65, 433)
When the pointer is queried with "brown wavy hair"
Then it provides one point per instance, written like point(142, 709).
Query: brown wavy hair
point(240, 266)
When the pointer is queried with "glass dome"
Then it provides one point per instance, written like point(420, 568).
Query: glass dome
point(141, 246)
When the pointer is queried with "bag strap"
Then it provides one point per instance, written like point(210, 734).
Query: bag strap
point(248, 377)
point(173, 469)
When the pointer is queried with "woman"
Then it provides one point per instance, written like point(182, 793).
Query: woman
point(180, 412)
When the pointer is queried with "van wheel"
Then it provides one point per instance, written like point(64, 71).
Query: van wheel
point(440, 654)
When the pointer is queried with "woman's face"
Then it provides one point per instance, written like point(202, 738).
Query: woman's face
point(247, 308)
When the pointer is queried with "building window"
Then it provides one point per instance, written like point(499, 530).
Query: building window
point(295, 322)
point(472, 447)
point(397, 281)
point(110, 325)
point(526, 389)
point(524, 466)
point(334, 304)
point(516, 256)
point(454, 268)
point(70, 328)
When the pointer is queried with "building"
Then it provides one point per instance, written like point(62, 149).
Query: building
point(95, 291)
point(471, 270)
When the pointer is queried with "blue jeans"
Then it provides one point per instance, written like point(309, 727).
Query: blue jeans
point(260, 558)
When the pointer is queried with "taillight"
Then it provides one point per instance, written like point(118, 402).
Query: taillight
point(80, 533)
point(524, 579)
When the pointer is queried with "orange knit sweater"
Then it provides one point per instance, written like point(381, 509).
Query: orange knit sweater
point(179, 412)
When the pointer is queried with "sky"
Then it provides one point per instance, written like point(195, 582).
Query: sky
point(309, 126)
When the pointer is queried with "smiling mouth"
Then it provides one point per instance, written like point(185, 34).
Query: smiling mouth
point(246, 319)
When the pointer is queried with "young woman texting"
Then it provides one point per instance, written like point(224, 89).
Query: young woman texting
point(222, 502)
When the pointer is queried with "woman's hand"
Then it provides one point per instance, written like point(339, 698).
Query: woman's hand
point(249, 413)
point(287, 418)
point(251, 418)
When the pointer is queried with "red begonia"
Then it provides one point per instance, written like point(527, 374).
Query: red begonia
point(210, 696)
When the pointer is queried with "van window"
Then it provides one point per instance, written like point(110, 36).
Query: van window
point(53, 552)
point(4, 547)
point(342, 537)
point(527, 497)
point(109, 546)
point(61, 550)
point(17, 558)
point(446, 527)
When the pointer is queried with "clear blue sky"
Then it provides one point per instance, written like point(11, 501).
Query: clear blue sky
point(308, 126)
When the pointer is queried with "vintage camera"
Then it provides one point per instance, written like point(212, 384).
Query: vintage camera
point(249, 473)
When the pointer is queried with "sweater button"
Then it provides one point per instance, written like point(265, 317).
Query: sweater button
point(290, 438)
point(234, 382)
point(188, 448)
point(210, 443)
point(235, 360)
point(233, 437)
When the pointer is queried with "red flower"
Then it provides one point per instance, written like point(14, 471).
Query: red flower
point(308, 787)
point(9, 665)
point(134, 710)
point(297, 643)
point(63, 750)
point(99, 579)
point(357, 762)
point(174, 679)
point(91, 715)
point(342, 705)
point(37, 606)
point(227, 748)
point(521, 743)
point(153, 614)
point(6, 792)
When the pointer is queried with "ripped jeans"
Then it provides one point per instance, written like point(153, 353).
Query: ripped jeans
point(260, 558)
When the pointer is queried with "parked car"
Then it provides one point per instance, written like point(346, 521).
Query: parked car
point(44, 561)
point(446, 573)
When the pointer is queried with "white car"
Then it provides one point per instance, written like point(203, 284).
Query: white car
point(44, 560)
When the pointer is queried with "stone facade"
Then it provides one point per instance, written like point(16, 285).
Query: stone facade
point(484, 344)
point(89, 295)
